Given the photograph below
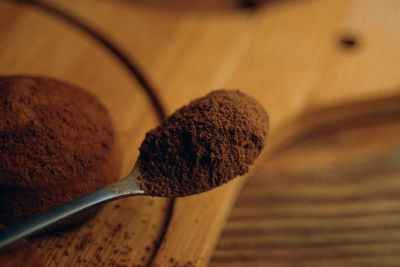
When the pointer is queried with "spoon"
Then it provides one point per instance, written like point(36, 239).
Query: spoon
point(124, 188)
point(201, 146)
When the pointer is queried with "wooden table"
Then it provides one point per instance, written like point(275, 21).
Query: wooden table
point(295, 58)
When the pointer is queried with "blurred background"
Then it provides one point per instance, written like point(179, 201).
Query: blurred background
point(325, 191)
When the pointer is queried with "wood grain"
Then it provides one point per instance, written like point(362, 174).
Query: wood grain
point(329, 196)
point(290, 57)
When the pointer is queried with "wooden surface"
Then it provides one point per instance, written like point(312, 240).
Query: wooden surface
point(291, 57)
point(329, 196)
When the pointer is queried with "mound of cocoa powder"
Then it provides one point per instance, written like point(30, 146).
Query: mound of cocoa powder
point(57, 143)
point(203, 145)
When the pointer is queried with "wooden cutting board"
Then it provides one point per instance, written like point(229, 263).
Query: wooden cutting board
point(293, 57)
point(326, 195)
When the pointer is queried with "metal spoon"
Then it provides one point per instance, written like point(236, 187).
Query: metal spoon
point(124, 188)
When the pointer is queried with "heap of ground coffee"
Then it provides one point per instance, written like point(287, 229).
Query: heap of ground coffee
point(57, 143)
point(203, 145)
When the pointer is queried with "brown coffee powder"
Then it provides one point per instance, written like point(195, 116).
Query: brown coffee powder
point(57, 143)
point(203, 145)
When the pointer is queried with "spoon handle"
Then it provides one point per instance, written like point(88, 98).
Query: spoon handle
point(124, 188)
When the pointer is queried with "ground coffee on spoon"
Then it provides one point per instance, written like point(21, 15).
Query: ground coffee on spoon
point(203, 145)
